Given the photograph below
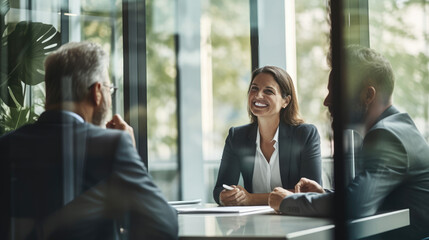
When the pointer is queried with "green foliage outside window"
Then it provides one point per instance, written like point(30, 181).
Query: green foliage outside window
point(400, 31)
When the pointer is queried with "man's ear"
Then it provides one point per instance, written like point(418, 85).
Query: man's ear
point(95, 94)
point(370, 95)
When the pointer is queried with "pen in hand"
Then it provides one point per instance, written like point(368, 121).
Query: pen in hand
point(227, 187)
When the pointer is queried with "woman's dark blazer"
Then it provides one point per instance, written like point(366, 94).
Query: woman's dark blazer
point(299, 156)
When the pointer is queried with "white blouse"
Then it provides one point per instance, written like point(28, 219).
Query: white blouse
point(266, 176)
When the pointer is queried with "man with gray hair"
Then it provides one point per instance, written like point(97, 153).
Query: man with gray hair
point(394, 159)
point(70, 179)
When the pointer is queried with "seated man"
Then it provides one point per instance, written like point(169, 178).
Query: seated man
point(394, 155)
point(70, 179)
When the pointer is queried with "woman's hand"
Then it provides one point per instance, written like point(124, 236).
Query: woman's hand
point(236, 197)
point(307, 185)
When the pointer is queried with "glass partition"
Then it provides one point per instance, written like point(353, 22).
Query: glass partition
point(199, 64)
point(22, 98)
point(399, 30)
point(382, 83)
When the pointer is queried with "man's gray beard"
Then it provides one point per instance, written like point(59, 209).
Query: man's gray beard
point(100, 114)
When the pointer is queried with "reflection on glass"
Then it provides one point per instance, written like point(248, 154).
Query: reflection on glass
point(87, 21)
point(393, 157)
point(394, 170)
point(399, 30)
point(32, 34)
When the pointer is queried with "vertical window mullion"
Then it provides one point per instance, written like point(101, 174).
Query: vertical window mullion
point(190, 147)
point(135, 82)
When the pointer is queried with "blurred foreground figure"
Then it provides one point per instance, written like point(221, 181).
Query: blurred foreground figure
point(394, 157)
point(66, 178)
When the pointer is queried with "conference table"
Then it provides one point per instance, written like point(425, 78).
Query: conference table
point(275, 226)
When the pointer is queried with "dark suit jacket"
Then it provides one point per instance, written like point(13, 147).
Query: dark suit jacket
point(395, 175)
point(106, 183)
point(299, 156)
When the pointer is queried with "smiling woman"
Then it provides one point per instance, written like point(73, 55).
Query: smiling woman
point(275, 150)
point(281, 85)
point(265, 98)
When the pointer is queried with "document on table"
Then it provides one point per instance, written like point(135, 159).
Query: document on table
point(234, 209)
point(194, 201)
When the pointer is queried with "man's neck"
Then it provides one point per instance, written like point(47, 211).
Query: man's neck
point(80, 109)
point(374, 112)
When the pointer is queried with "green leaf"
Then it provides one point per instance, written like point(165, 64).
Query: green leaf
point(3, 87)
point(23, 52)
point(20, 116)
point(27, 47)
point(4, 8)
point(8, 87)
point(16, 93)
point(14, 118)
point(22, 55)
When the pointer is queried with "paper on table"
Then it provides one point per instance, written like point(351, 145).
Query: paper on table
point(235, 209)
point(195, 201)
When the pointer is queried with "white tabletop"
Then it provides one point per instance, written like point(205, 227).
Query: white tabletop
point(273, 226)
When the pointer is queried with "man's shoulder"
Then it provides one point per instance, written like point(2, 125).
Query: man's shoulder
point(27, 128)
point(392, 119)
point(399, 125)
point(395, 141)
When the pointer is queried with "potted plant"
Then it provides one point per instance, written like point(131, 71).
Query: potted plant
point(22, 53)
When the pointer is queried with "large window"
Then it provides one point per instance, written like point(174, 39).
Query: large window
point(312, 44)
point(162, 98)
point(224, 62)
point(399, 30)
point(229, 64)
point(221, 51)
point(223, 56)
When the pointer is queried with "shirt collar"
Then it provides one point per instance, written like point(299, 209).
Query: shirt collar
point(73, 114)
